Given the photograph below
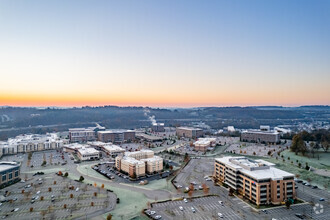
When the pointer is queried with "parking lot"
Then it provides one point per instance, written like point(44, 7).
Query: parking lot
point(54, 197)
point(204, 208)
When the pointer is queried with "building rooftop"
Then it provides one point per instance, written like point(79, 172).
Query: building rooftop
point(260, 132)
point(257, 169)
point(203, 141)
point(190, 128)
point(75, 146)
point(114, 131)
point(152, 159)
point(5, 165)
point(132, 160)
point(87, 150)
point(112, 147)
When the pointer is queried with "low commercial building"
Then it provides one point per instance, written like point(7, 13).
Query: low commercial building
point(81, 134)
point(257, 136)
point(116, 136)
point(204, 144)
point(158, 127)
point(88, 153)
point(73, 148)
point(188, 132)
point(147, 137)
point(113, 150)
point(257, 180)
point(9, 173)
point(138, 163)
point(31, 142)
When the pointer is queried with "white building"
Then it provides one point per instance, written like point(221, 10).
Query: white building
point(88, 153)
point(113, 150)
point(31, 142)
point(203, 144)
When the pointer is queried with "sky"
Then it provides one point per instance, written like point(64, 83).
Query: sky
point(164, 53)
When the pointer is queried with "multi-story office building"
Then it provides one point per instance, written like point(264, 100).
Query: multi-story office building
point(88, 153)
point(116, 136)
point(139, 163)
point(257, 180)
point(189, 132)
point(82, 134)
point(30, 143)
point(158, 127)
point(203, 144)
point(9, 173)
point(258, 136)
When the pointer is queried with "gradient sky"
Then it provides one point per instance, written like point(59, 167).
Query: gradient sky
point(164, 53)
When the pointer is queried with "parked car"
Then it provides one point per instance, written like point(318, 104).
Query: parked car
point(193, 209)
point(321, 199)
point(185, 200)
point(158, 217)
point(220, 215)
point(181, 208)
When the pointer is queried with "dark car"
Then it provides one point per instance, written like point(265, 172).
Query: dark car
point(299, 215)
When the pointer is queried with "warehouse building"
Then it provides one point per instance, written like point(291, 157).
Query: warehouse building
point(257, 180)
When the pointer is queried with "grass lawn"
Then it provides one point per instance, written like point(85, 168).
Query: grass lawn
point(322, 163)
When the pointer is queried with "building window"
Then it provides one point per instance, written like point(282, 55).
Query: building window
point(4, 178)
point(16, 173)
point(10, 176)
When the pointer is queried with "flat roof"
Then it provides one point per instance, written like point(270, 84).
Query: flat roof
point(268, 170)
point(115, 131)
point(260, 132)
point(88, 150)
point(190, 128)
point(152, 159)
point(4, 165)
point(112, 147)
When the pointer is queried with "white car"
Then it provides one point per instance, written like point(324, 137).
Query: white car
point(185, 200)
point(38, 192)
point(193, 209)
point(77, 189)
point(181, 208)
point(15, 210)
point(152, 212)
point(220, 202)
point(158, 217)
point(220, 215)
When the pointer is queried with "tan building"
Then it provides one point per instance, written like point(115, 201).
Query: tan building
point(203, 144)
point(258, 136)
point(81, 134)
point(257, 180)
point(116, 136)
point(189, 132)
point(138, 163)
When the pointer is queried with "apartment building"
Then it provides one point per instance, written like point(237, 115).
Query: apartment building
point(138, 163)
point(31, 142)
point(257, 180)
point(116, 136)
point(189, 132)
point(9, 173)
point(258, 136)
point(82, 134)
point(203, 144)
